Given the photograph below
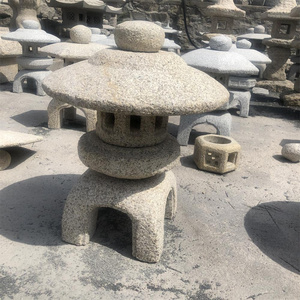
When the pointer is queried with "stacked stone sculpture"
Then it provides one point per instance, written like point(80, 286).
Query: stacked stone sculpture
point(279, 45)
point(33, 64)
point(222, 15)
point(231, 69)
point(131, 140)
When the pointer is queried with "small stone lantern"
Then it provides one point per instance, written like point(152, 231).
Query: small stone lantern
point(33, 63)
point(134, 89)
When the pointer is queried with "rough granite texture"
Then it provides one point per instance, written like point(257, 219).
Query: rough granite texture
point(220, 43)
point(163, 84)
point(225, 8)
point(72, 51)
point(13, 139)
point(129, 163)
point(291, 152)
point(146, 203)
point(277, 86)
point(282, 10)
point(295, 12)
point(80, 34)
point(216, 153)
point(9, 48)
point(56, 116)
point(291, 99)
point(139, 36)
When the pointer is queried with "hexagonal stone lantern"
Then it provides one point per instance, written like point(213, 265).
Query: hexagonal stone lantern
point(134, 89)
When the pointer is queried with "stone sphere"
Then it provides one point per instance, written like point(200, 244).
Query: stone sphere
point(80, 34)
point(259, 29)
point(5, 159)
point(250, 30)
point(31, 24)
point(243, 44)
point(139, 36)
point(291, 152)
point(220, 43)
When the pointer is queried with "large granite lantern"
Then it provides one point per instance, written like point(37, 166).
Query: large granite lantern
point(134, 89)
point(222, 14)
point(34, 65)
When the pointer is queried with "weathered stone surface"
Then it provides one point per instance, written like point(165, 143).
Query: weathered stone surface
point(221, 120)
point(259, 29)
point(218, 154)
point(31, 63)
point(8, 69)
point(276, 86)
point(220, 43)
point(276, 70)
point(12, 138)
point(129, 163)
point(156, 76)
point(5, 159)
point(225, 8)
point(139, 36)
point(80, 34)
point(243, 44)
point(146, 203)
point(291, 152)
point(224, 62)
point(72, 51)
point(282, 43)
point(295, 12)
point(9, 48)
point(282, 10)
point(291, 99)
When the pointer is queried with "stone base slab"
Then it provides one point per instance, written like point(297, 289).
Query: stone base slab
point(147, 202)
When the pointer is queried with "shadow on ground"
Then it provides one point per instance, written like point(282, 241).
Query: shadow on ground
point(18, 155)
point(274, 228)
point(31, 212)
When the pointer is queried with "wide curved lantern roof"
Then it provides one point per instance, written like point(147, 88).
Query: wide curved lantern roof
point(137, 82)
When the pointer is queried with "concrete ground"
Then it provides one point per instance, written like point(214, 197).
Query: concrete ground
point(235, 236)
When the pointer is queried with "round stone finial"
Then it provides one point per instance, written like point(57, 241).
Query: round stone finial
point(259, 29)
point(220, 43)
point(139, 36)
point(250, 30)
point(31, 24)
point(80, 34)
point(243, 44)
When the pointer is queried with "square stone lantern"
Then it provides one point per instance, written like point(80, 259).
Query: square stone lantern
point(134, 89)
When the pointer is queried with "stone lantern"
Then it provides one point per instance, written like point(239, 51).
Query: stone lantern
point(134, 89)
point(34, 65)
point(283, 32)
point(231, 69)
point(222, 15)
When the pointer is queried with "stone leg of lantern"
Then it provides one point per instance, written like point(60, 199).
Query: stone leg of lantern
point(124, 148)
point(37, 76)
point(221, 120)
point(58, 111)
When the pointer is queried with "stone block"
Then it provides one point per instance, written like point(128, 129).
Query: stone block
point(217, 154)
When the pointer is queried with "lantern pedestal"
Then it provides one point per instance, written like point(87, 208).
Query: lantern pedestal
point(146, 203)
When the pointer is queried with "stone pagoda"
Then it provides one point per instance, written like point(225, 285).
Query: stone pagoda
point(130, 153)
point(279, 45)
point(86, 12)
point(231, 69)
point(222, 15)
point(34, 65)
